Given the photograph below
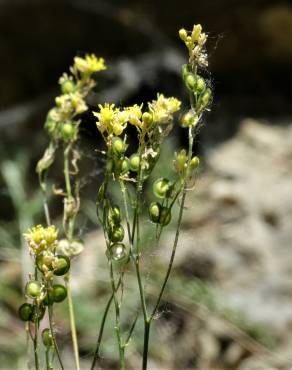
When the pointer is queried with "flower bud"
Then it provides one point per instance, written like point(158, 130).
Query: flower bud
point(165, 216)
point(162, 188)
point(60, 293)
point(61, 265)
point(154, 211)
point(206, 97)
point(185, 71)
point(125, 166)
point(68, 86)
point(33, 289)
point(117, 234)
point(183, 34)
point(134, 162)
point(119, 146)
point(189, 119)
point(25, 311)
point(47, 338)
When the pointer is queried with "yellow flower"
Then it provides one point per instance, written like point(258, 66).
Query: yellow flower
point(135, 114)
point(89, 64)
point(105, 116)
point(163, 108)
point(195, 42)
point(40, 238)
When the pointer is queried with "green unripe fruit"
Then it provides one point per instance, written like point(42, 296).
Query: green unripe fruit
point(125, 166)
point(25, 311)
point(117, 252)
point(195, 161)
point(200, 85)
point(50, 125)
point(165, 216)
point(49, 298)
point(47, 338)
point(190, 81)
point(33, 289)
point(180, 160)
point(147, 118)
point(61, 265)
point(68, 87)
point(115, 215)
point(134, 162)
point(206, 97)
point(189, 119)
point(60, 293)
point(154, 212)
point(68, 131)
point(117, 234)
point(39, 262)
point(38, 312)
point(162, 188)
point(119, 146)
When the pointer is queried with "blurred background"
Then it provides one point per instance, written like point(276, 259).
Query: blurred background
point(229, 302)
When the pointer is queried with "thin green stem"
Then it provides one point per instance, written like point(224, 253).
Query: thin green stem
point(50, 310)
point(48, 365)
point(99, 339)
point(146, 344)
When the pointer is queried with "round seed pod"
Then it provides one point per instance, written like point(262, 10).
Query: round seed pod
point(117, 234)
point(190, 81)
point(115, 214)
point(62, 265)
point(125, 166)
point(206, 97)
point(195, 161)
point(25, 311)
point(38, 313)
point(49, 298)
point(33, 289)
point(39, 262)
point(119, 146)
point(154, 211)
point(47, 338)
point(162, 188)
point(134, 162)
point(60, 293)
point(117, 252)
point(165, 216)
point(147, 118)
point(68, 87)
point(200, 85)
point(68, 131)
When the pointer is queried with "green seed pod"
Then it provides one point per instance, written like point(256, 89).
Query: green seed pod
point(115, 215)
point(162, 188)
point(206, 97)
point(195, 161)
point(68, 131)
point(189, 119)
point(61, 266)
point(117, 234)
point(38, 313)
point(39, 262)
point(134, 162)
point(47, 338)
point(154, 211)
point(147, 118)
point(119, 146)
point(49, 298)
point(25, 311)
point(33, 289)
point(180, 160)
point(190, 81)
point(165, 216)
point(68, 86)
point(60, 292)
point(117, 252)
point(50, 125)
point(125, 166)
point(200, 85)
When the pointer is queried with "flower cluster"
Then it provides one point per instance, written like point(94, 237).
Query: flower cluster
point(41, 238)
point(113, 120)
point(62, 120)
point(195, 42)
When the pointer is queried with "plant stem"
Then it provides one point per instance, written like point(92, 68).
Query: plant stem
point(104, 317)
point(146, 343)
point(69, 235)
point(72, 322)
point(50, 310)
